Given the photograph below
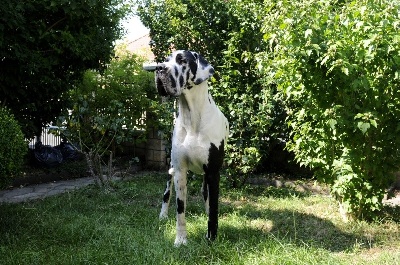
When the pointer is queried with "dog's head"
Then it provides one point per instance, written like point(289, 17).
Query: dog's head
point(181, 70)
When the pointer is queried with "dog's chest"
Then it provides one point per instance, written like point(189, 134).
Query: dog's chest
point(191, 149)
point(199, 129)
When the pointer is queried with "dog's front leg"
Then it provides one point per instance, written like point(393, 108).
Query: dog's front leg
point(204, 191)
point(167, 194)
point(180, 180)
point(213, 192)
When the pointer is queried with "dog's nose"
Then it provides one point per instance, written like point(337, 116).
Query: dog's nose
point(161, 67)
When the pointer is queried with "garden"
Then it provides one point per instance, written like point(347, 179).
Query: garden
point(311, 92)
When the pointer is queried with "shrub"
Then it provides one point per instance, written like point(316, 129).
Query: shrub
point(13, 147)
point(336, 64)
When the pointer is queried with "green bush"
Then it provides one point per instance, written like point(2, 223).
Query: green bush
point(13, 147)
point(336, 64)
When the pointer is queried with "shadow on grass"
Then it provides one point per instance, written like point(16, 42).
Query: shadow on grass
point(391, 212)
point(281, 226)
point(294, 228)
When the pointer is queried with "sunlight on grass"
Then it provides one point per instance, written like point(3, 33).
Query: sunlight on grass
point(257, 225)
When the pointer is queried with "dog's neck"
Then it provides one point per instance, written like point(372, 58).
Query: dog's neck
point(192, 105)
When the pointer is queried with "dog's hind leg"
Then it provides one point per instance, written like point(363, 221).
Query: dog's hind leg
point(167, 194)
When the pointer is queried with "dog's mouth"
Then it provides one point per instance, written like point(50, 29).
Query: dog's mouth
point(162, 83)
point(166, 84)
point(161, 87)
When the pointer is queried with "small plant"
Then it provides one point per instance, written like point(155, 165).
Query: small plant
point(13, 147)
point(244, 163)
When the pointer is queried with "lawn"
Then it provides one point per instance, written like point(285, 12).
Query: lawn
point(258, 225)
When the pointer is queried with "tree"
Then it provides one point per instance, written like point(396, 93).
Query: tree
point(45, 47)
point(229, 34)
point(202, 26)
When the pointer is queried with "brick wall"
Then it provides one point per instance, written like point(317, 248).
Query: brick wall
point(156, 155)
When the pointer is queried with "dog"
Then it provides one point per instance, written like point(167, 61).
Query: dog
point(199, 136)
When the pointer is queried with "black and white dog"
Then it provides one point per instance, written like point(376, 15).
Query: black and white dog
point(200, 132)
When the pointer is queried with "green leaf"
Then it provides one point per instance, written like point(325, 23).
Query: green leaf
point(363, 126)
point(332, 123)
point(307, 33)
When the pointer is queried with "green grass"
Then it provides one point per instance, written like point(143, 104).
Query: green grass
point(258, 225)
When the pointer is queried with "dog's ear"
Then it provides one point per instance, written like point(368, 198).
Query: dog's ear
point(204, 69)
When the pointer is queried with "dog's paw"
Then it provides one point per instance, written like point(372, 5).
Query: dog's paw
point(179, 241)
point(163, 215)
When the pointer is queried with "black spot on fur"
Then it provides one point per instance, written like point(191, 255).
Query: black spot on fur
point(193, 68)
point(181, 81)
point(198, 81)
point(181, 206)
point(179, 58)
point(212, 71)
point(192, 60)
point(203, 62)
point(176, 71)
point(166, 196)
point(187, 75)
point(215, 158)
point(173, 82)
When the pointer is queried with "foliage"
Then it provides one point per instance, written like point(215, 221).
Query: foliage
point(109, 108)
point(45, 47)
point(228, 34)
point(13, 147)
point(252, 107)
point(337, 65)
point(202, 26)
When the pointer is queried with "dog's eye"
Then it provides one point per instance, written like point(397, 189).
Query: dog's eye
point(179, 59)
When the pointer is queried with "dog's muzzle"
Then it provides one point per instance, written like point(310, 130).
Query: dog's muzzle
point(162, 80)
